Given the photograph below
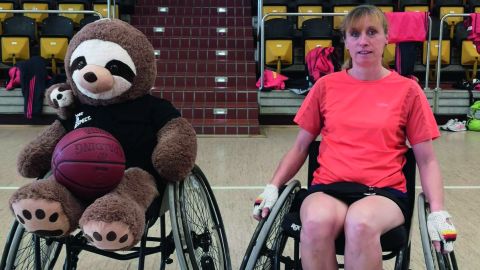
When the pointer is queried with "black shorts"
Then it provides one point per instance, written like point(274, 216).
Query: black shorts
point(349, 192)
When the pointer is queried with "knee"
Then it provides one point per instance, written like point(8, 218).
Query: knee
point(315, 230)
point(360, 230)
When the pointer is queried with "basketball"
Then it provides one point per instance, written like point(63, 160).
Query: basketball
point(89, 162)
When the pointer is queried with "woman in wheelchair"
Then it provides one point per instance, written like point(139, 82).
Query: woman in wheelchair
point(364, 114)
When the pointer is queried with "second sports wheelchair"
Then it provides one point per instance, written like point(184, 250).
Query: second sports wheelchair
point(270, 247)
point(197, 235)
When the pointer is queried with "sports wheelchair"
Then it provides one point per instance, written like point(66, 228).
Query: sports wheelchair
point(269, 247)
point(197, 235)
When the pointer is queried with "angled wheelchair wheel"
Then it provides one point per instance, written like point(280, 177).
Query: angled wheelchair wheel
point(198, 227)
point(434, 260)
point(19, 252)
point(262, 248)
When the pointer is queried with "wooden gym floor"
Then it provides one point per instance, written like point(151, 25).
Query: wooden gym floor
point(238, 167)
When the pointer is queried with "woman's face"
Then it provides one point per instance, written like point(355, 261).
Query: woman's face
point(366, 41)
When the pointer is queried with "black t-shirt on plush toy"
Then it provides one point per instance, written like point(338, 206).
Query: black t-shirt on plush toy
point(134, 124)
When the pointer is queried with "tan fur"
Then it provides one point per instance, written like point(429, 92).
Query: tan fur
point(140, 50)
point(49, 189)
point(127, 203)
point(173, 157)
point(63, 113)
point(176, 151)
point(34, 159)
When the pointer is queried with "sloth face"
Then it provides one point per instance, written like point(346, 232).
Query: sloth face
point(102, 69)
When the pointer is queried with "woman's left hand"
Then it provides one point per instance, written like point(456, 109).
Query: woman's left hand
point(441, 231)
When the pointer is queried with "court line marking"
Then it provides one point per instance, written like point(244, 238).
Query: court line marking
point(262, 187)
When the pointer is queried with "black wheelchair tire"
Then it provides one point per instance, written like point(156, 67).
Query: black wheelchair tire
point(8, 243)
point(203, 245)
point(21, 251)
point(271, 229)
point(433, 260)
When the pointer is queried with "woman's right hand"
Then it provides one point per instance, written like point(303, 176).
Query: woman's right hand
point(265, 201)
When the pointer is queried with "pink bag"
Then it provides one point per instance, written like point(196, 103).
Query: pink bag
point(272, 80)
point(319, 63)
point(407, 26)
point(14, 78)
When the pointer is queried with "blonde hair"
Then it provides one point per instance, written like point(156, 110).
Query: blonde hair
point(354, 16)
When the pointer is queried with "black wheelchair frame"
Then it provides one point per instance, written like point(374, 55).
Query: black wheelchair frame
point(269, 240)
point(198, 234)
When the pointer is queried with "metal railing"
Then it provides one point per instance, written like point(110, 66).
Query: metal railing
point(52, 11)
point(440, 37)
point(261, 30)
point(439, 58)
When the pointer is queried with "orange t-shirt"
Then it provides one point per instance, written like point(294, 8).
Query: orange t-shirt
point(364, 127)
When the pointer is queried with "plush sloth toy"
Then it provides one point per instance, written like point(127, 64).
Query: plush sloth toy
point(110, 69)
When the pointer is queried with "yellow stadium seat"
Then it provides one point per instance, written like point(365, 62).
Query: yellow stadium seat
point(414, 5)
point(37, 5)
point(18, 34)
point(342, 6)
point(274, 9)
point(317, 33)
point(67, 6)
point(308, 6)
point(101, 7)
point(278, 43)
point(444, 7)
point(274, 6)
point(470, 57)
point(15, 49)
point(389, 54)
point(56, 32)
point(307, 9)
point(383, 5)
point(6, 6)
point(445, 53)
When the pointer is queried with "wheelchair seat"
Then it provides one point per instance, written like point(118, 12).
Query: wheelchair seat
point(266, 252)
point(268, 248)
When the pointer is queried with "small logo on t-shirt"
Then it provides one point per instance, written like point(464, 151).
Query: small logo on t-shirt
point(79, 119)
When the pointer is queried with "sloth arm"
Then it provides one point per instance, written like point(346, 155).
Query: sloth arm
point(34, 159)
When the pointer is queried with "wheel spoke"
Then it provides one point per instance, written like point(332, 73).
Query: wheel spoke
point(203, 231)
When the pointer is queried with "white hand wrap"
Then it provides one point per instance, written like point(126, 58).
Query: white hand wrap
point(265, 200)
point(440, 228)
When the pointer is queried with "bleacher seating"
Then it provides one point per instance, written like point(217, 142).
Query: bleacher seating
point(6, 5)
point(469, 56)
point(308, 6)
point(279, 42)
point(413, 5)
point(73, 5)
point(274, 6)
point(101, 7)
point(37, 5)
point(56, 33)
point(88, 19)
point(24, 35)
point(317, 33)
point(19, 33)
point(342, 6)
point(384, 5)
point(446, 50)
point(444, 7)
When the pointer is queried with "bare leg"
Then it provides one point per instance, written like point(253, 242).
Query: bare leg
point(322, 220)
point(367, 219)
